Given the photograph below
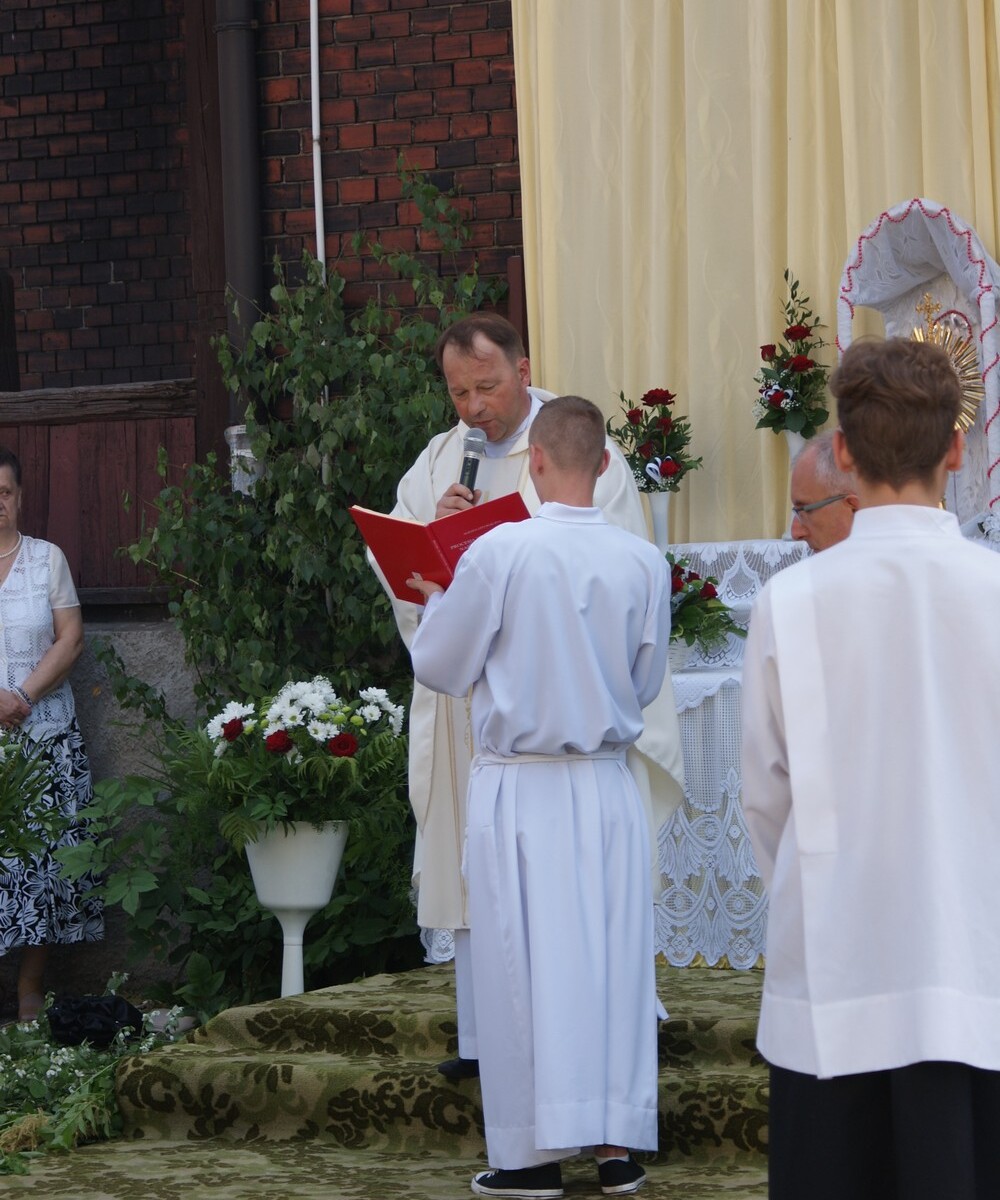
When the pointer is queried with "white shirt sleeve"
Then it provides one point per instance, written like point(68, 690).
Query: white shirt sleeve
point(62, 593)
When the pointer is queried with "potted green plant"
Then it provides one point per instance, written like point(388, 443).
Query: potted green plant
point(291, 774)
point(698, 617)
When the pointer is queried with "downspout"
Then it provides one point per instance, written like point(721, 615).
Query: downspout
point(240, 171)
point(317, 157)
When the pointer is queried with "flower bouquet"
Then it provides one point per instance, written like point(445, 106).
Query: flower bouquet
point(654, 442)
point(698, 616)
point(303, 755)
point(792, 392)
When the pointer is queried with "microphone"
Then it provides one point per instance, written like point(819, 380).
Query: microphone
point(474, 446)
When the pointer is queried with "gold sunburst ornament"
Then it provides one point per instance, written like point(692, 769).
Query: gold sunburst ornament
point(952, 331)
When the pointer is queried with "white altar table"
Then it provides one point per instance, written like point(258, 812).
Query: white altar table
point(712, 908)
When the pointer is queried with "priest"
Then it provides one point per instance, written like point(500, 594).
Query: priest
point(489, 381)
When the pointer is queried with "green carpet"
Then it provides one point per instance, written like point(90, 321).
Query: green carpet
point(334, 1094)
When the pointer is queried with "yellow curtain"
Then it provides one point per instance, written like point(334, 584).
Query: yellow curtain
point(677, 155)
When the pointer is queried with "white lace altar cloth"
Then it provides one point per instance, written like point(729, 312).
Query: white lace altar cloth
point(712, 902)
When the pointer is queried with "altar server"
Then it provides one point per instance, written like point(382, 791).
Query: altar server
point(560, 625)
point(489, 381)
point(871, 715)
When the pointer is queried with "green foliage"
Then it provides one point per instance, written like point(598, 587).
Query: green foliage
point(697, 616)
point(56, 1097)
point(276, 584)
point(189, 894)
point(27, 824)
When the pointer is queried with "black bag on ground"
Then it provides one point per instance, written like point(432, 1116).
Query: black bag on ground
point(94, 1019)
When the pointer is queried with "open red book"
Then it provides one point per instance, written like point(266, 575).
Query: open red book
point(402, 546)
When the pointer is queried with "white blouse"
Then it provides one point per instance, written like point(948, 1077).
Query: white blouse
point(39, 582)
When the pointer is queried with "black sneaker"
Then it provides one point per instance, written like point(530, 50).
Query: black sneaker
point(619, 1176)
point(533, 1183)
point(459, 1068)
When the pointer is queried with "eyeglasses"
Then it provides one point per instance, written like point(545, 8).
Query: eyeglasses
point(801, 509)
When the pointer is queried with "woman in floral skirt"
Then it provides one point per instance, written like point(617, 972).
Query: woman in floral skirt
point(41, 637)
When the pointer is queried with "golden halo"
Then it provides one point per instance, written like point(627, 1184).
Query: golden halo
point(958, 344)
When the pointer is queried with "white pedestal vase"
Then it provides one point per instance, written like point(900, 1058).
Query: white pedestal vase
point(795, 442)
point(679, 655)
point(293, 872)
point(659, 511)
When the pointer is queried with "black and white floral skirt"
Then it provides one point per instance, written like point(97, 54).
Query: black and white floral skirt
point(37, 906)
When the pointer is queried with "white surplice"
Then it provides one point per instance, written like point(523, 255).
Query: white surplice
point(440, 732)
point(872, 796)
point(560, 626)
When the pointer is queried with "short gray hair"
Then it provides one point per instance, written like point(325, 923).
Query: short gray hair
point(825, 466)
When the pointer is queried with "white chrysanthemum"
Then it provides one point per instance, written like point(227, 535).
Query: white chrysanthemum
point(395, 715)
point(370, 712)
point(322, 731)
point(374, 695)
point(232, 710)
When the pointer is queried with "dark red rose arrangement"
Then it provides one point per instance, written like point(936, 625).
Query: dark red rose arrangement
point(792, 383)
point(698, 617)
point(305, 754)
point(654, 441)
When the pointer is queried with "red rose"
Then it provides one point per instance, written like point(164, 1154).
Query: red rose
point(645, 450)
point(669, 467)
point(344, 745)
point(776, 397)
point(800, 362)
point(797, 333)
point(232, 729)
point(665, 423)
point(677, 581)
point(278, 742)
point(634, 416)
point(657, 396)
point(769, 352)
point(708, 591)
point(692, 577)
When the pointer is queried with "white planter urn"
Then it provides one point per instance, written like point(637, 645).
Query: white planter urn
point(659, 512)
point(796, 444)
point(294, 870)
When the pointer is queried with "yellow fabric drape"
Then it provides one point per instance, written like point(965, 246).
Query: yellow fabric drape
point(677, 155)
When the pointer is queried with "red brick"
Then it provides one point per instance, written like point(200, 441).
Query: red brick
point(393, 133)
point(414, 104)
point(376, 54)
point(356, 137)
point(453, 100)
point(415, 50)
point(493, 95)
point(352, 29)
point(451, 45)
point(356, 191)
point(391, 25)
point(494, 44)
point(503, 122)
point(279, 91)
point(470, 125)
point(472, 70)
point(492, 207)
point(358, 83)
point(433, 77)
point(494, 150)
point(431, 20)
point(470, 16)
point(435, 129)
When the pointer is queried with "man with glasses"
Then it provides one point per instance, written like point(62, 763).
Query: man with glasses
point(823, 497)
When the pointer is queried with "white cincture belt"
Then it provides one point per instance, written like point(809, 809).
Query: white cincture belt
point(513, 760)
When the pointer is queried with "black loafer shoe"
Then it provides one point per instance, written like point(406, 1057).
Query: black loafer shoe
point(459, 1068)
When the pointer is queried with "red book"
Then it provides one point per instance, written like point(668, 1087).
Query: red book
point(402, 546)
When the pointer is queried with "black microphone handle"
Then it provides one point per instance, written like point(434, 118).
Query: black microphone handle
point(470, 468)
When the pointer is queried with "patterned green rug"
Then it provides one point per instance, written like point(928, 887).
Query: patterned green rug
point(334, 1093)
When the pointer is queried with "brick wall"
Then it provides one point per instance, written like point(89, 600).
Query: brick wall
point(95, 221)
point(429, 80)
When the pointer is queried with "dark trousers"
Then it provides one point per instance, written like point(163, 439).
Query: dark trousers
point(930, 1131)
